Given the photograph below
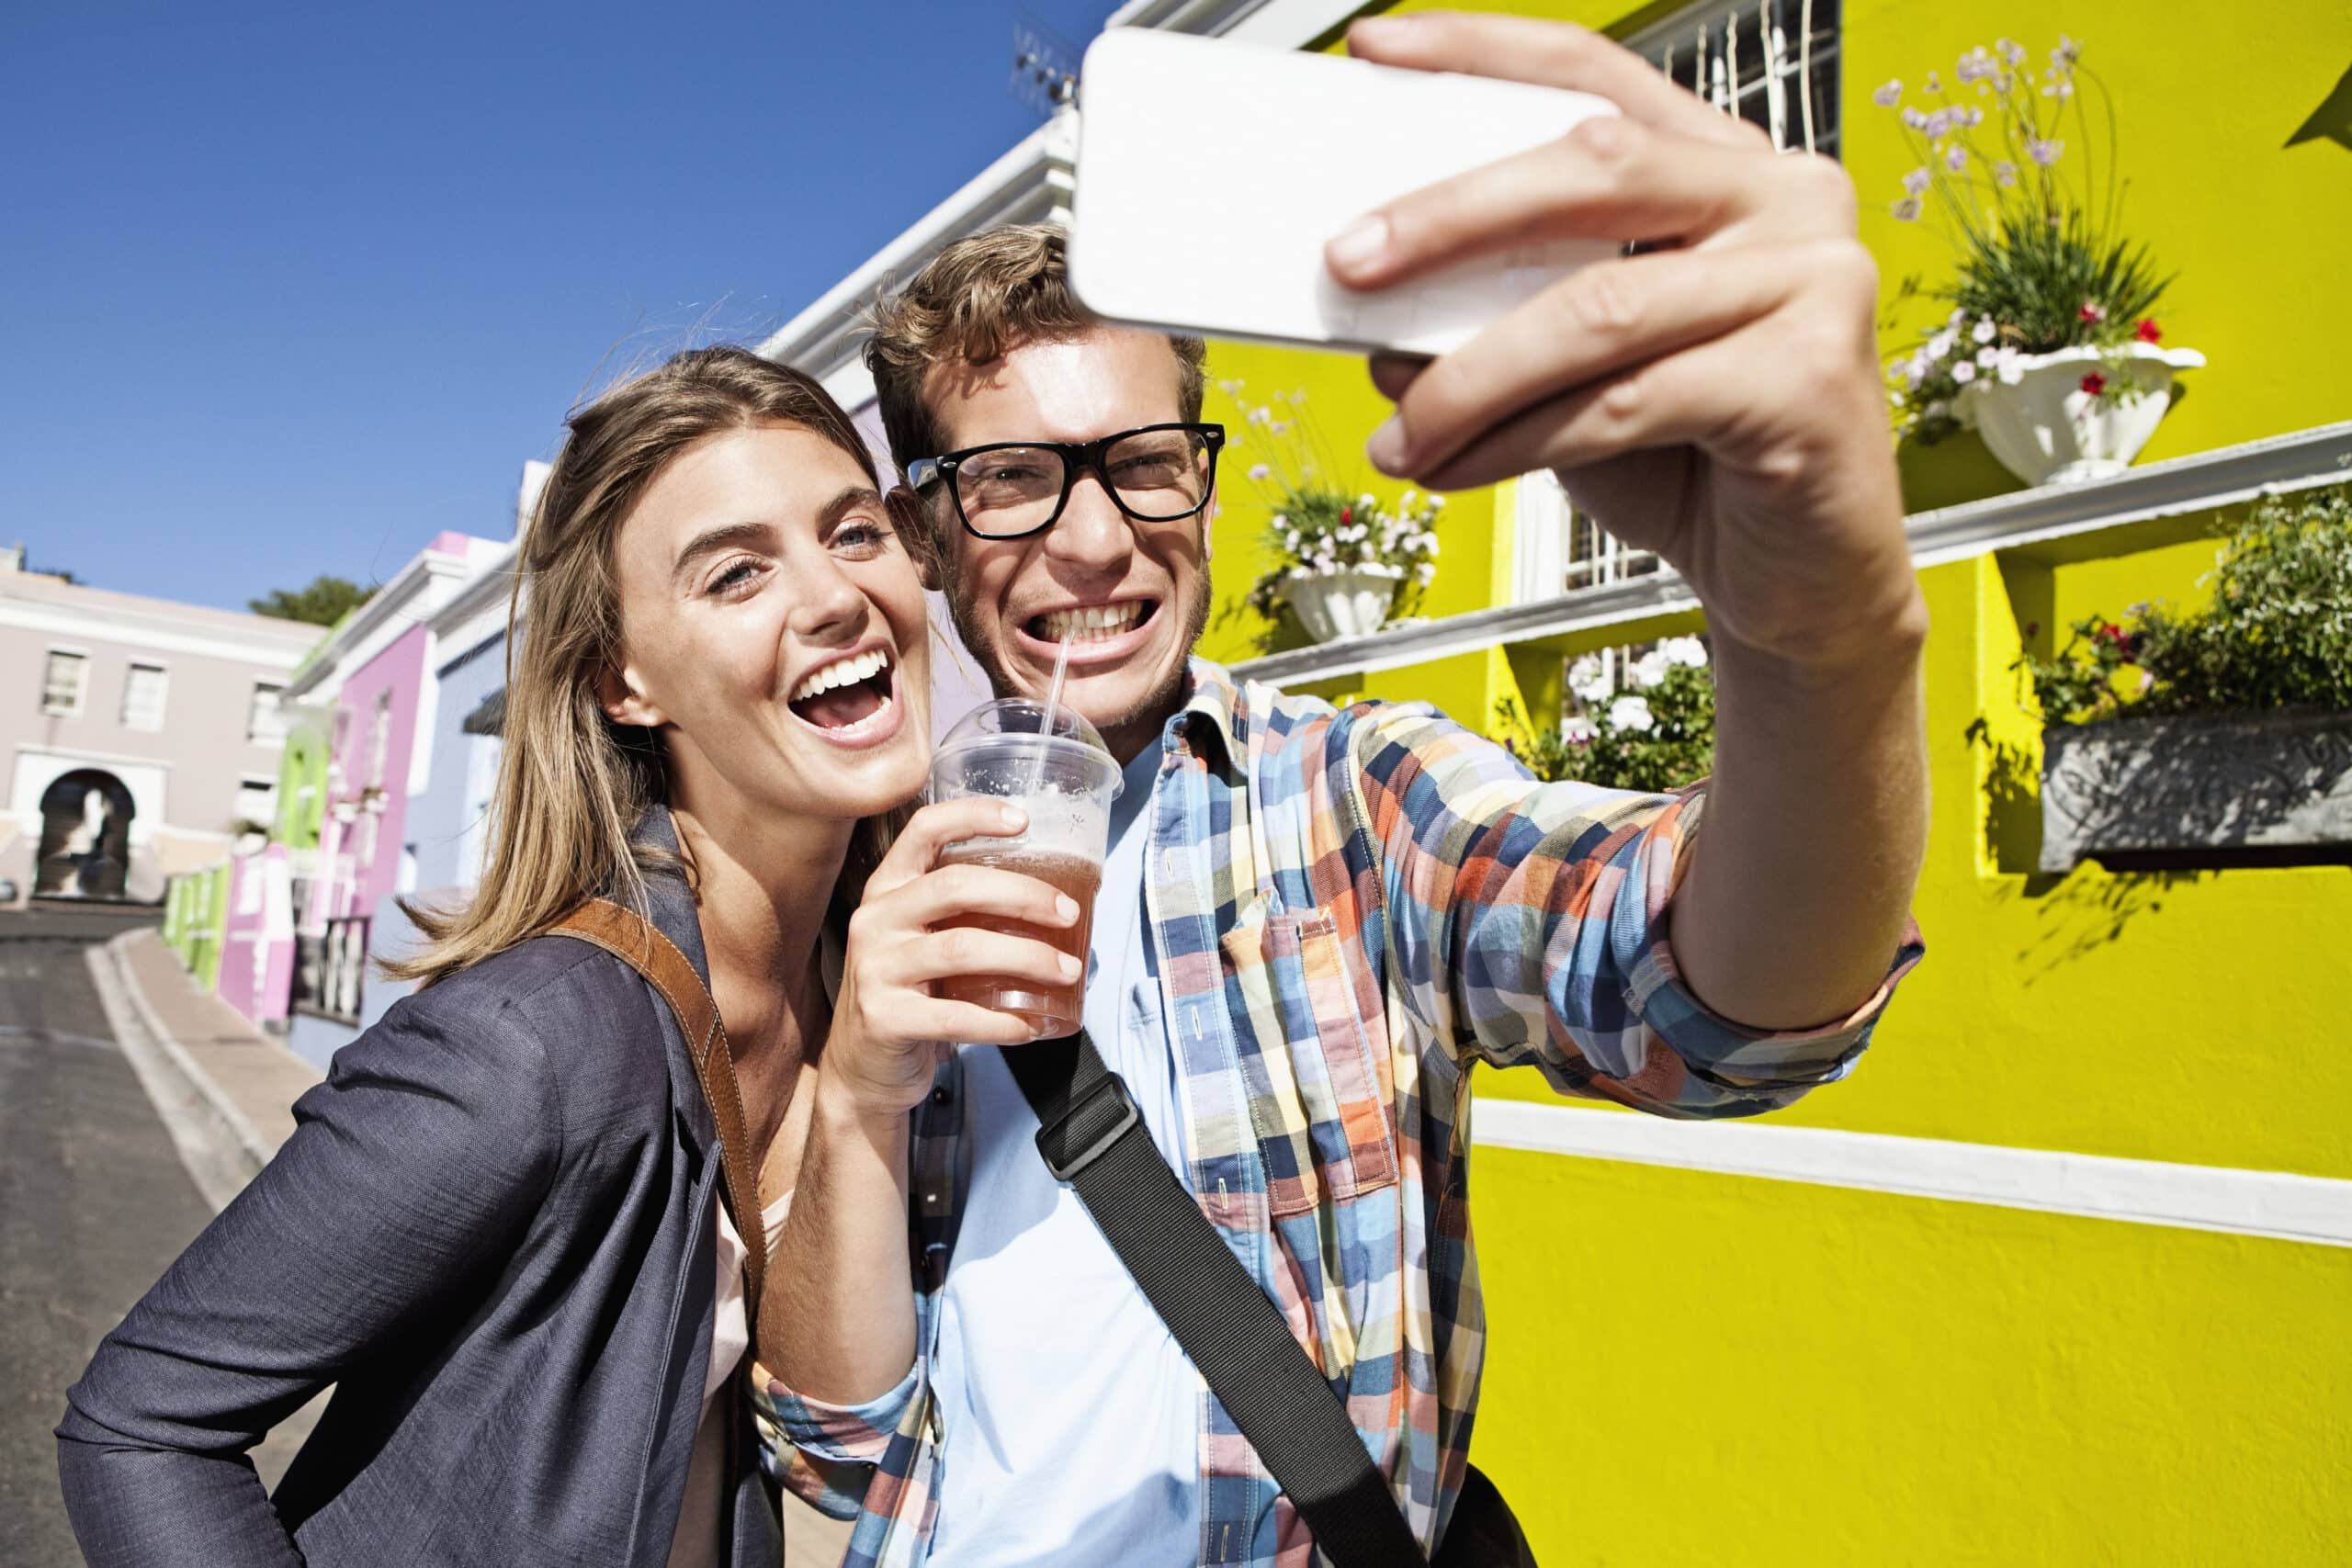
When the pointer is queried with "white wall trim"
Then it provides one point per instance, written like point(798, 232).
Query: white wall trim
point(2274, 1204)
point(148, 634)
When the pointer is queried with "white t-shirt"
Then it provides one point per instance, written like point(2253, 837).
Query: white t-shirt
point(695, 1542)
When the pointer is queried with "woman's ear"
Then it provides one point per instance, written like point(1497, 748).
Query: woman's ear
point(622, 703)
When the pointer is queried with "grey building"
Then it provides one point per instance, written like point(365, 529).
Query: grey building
point(138, 737)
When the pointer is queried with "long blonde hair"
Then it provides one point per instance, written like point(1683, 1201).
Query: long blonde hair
point(572, 783)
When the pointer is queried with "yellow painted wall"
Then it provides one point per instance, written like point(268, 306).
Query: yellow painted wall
point(1687, 1368)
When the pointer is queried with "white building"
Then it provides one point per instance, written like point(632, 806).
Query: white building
point(138, 736)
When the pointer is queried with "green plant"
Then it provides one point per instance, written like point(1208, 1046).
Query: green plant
point(1321, 526)
point(2277, 632)
point(2041, 263)
point(1656, 733)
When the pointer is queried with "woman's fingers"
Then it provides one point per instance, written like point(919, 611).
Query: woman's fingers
point(960, 892)
point(962, 950)
point(932, 829)
point(1550, 54)
point(1591, 326)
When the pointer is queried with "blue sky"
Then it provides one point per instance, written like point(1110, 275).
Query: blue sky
point(292, 287)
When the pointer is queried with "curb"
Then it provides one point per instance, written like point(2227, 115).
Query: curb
point(218, 1142)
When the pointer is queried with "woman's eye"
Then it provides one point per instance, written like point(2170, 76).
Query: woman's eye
point(733, 578)
point(863, 538)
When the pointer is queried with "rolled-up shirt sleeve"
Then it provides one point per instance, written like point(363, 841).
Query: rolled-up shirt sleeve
point(1531, 922)
point(825, 1454)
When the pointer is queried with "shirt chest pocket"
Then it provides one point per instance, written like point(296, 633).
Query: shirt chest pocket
point(1321, 1094)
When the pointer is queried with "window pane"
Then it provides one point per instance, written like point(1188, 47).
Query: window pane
point(143, 697)
point(264, 725)
point(60, 685)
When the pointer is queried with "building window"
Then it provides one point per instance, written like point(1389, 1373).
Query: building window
point(264, 726)
point(143, 690)
point(257, 803)
point(330, 970)
point(61, 682)
point(1772, 62)
point(379, 741)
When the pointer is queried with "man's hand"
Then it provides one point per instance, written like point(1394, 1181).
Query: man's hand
point(1718, 402)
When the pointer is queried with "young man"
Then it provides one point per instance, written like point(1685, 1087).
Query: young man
point(1313, 923)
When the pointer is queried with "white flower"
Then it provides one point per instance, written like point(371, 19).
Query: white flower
point(1630, 713)
point(1650, 669)
point(1687, 651)
point(1888, 94)
point(1259, 471)
point(1986, 359)
point(1985, 331)
point(1964, 372)
point(1368, 500)
point(1424, 574)
point(1281, 520)
point(1577, 731)
point(1916, 182)
point(1588, 680)
point(2009, 365)
point(1943, 344)
point(1437, 503)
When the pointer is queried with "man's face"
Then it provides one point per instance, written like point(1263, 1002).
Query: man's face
point(1130, 596)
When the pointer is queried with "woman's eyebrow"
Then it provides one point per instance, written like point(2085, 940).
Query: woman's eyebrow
point(710, 541)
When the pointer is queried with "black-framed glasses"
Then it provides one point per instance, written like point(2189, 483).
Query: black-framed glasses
point(1010, 490)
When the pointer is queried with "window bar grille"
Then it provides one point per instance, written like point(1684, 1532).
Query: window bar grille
point(1776, 96)
point(1805, 69)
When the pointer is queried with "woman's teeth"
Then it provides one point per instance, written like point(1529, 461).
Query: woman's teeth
point(842, 672)
point(1095, 623)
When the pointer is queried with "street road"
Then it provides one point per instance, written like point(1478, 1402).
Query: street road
point(94, 1205)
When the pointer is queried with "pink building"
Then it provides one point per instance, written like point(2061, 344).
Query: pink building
point(295, 949)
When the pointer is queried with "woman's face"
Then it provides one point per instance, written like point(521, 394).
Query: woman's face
point(773, 629)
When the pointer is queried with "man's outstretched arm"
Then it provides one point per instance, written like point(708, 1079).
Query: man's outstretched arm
point(1716, 399)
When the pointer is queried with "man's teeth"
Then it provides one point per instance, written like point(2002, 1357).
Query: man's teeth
point(1091, 624)
point(842, 672)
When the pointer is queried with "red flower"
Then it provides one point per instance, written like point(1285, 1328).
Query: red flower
point(1347, 515)
point(2095, 383)
point(2092, 310)
point(2147, 331)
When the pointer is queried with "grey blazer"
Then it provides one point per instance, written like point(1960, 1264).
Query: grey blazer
point(492, 1231)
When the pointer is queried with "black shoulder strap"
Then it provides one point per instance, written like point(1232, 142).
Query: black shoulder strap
point(1094, 1138)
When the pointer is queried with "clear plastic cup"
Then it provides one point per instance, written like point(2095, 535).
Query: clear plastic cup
point(1066, 782)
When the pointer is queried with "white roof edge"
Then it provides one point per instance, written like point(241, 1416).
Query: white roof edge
point(364, 636)
point(1030, 181)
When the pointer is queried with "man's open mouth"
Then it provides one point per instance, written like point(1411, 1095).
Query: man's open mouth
point(846, 692)
point(1092, 623)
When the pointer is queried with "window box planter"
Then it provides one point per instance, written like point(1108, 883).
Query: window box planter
point(1336, 604)
point(2048, 431)
point(2196, 781)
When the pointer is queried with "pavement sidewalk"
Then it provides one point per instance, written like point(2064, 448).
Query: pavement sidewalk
point(251, 1080)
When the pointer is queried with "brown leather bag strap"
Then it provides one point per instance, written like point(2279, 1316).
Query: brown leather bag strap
point(636, 943)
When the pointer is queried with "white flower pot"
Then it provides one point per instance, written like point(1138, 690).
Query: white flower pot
point(1340, 604)
point(2046, 430)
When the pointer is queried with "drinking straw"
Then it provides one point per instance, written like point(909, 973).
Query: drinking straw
point(1052, 702)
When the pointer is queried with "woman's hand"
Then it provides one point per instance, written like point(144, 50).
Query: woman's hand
point(889, 1032)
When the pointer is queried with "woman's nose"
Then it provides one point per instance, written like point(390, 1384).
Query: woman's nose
point(827, 606)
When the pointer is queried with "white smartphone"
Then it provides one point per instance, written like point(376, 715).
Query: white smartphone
point(1211, 172)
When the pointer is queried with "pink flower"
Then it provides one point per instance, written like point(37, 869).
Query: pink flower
point(2092, 310)
point(2095, 383)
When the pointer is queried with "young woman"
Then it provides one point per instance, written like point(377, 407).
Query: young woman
point(497, 1228)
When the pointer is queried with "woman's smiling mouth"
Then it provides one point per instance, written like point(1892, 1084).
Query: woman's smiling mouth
point(853, 700)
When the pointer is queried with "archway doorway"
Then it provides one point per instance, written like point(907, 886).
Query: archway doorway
point(84, 836)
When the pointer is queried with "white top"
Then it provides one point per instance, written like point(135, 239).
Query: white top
point(695, 1542)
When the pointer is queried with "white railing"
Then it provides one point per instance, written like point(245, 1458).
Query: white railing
point(1773, 62)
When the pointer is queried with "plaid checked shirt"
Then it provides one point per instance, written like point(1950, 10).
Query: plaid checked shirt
point(1350, 909)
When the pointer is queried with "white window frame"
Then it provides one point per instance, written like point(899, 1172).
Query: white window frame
point(267, 788)
point(1782, 74)
point(273, 736)
point(81, 655)
point(162, 693)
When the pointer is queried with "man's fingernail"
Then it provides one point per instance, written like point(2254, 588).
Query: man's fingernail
point(1378, 30)
point(1012, 816)
point(1065, 906)
point(1360, 244)
point(1071, 965)
point(1389, 446)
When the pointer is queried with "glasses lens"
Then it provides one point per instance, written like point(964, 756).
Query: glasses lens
point(1009, 491)
point(1160, 474)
